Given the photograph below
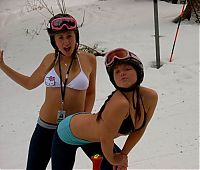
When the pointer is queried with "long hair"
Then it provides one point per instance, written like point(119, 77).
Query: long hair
point(104, 105)
point(136, 104)
point(54, 61)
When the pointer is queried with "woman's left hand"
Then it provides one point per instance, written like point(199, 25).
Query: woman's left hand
point(121, 160)
point(121, 168)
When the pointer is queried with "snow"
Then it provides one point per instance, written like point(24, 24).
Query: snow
point(171, 140)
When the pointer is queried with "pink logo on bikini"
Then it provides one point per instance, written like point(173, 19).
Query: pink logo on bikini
point(50, 81)
point(51, 78)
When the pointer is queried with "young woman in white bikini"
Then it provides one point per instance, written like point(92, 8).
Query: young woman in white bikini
point(69, 76)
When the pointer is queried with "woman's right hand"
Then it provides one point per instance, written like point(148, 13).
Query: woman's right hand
point(121, 160)
point(1, 58)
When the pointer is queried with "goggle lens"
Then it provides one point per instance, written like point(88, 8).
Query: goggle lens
point(119, 54)
point(58, 23)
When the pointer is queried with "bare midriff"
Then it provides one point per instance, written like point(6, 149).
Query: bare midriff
point(74, 102)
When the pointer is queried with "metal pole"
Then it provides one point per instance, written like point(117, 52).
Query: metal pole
point(156, 24)
point(177, 30)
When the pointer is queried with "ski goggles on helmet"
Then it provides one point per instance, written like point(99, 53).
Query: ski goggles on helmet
point(58, 24)
point(119, 54)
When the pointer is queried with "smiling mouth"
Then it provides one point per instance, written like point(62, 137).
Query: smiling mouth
point(67, 49)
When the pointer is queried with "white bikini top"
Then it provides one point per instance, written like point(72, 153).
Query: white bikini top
point(80, 82)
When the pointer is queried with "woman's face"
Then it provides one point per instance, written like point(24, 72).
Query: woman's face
point(66, 42)
point(124, 75)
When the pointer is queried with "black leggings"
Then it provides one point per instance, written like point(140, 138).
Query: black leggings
point(40, 150)
point(63, 155)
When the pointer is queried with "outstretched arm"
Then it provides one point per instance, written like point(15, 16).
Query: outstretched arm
point(114, 113)
point(28, 82)
point(134, 137)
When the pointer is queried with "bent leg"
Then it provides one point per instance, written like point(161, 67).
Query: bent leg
point(95, 148)
point(62, 154)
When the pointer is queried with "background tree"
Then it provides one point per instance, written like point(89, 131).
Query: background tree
point(192, 11)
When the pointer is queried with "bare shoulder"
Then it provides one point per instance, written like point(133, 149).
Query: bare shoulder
point(48, 59)
point(118, 100)
point(87, 56)
point(117, 107)
point(148, 93)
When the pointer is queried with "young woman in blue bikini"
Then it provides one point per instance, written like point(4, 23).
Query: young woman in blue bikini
point(127, 111)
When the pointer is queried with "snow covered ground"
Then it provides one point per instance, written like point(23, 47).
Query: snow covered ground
point(172, 138)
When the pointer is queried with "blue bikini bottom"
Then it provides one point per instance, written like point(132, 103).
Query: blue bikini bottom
point(65, 133)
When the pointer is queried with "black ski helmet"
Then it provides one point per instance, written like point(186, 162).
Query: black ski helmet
point(52, 32)
point(129, 58)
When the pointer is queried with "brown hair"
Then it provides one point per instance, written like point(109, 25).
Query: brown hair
point(54, 61)
point(136, 105)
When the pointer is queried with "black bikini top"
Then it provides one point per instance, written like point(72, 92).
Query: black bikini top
point(127, 125)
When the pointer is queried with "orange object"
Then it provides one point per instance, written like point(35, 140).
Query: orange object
point(97, 159)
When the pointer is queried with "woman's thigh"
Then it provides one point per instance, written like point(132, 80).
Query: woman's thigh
point(62, 154)
point(40, 148)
